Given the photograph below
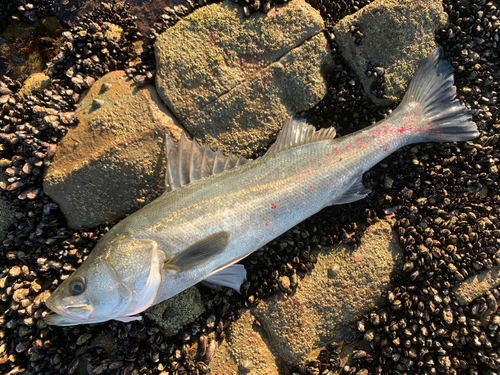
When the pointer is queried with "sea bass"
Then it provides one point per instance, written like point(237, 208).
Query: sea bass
point(217, 210)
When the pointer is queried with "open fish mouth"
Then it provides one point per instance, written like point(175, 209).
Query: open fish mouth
point(68, 316)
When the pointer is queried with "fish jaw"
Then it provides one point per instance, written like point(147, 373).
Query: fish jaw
point(68, 315)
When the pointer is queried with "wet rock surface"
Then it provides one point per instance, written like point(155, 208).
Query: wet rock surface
point(217, 71)
point(385, 41)
point(444, 197)
point(101, 170)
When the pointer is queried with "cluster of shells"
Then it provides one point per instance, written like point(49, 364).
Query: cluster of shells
point(445, 198)
point(97, 44)
point(23, 10)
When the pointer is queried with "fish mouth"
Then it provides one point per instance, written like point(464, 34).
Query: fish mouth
point(68, 315)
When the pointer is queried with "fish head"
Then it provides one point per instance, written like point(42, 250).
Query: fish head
point(118, 279)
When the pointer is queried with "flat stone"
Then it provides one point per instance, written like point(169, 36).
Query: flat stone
point(344, 284)
point(244, 351)
point(477, 285)
point(398, 35)
point(232, 79)
point(113, 162)
point(174, 313)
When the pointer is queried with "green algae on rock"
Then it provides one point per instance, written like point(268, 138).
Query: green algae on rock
point(215, 67)
point(173, 314)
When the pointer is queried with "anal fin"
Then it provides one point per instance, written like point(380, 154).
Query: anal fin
point(232, 277)
point(356, 192)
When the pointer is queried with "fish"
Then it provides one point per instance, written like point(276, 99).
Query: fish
point(217, 210)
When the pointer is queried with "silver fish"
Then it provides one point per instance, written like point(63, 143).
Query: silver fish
point(218, 210)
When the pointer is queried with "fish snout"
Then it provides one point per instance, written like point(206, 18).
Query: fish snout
point(67, 313)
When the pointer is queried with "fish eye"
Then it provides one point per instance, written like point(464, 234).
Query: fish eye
point(77, 286)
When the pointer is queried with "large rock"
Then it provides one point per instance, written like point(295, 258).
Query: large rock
point(478, 285)
point(174, 313)
point(233, 80)
point(343, 285)
point(397, 35)
point(113, 161)
point(244, 351)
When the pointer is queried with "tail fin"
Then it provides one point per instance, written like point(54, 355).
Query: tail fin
point(444, 119)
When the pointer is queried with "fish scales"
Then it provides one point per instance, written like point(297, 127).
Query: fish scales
point(255, 204)
point(199, 229)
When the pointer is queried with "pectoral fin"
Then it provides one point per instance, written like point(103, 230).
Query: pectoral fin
point(199, 253)
point(232, 277)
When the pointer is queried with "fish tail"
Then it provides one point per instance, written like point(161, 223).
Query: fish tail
point(432, 95)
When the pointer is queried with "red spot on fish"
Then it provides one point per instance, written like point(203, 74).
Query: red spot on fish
point(358, 139)
point(310, 186)
point(335, 148)
point(327, 153)
point(267, 224)
point(385, 147)
point(273, 206)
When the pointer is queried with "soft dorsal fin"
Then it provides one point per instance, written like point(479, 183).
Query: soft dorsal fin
point(299, 132)
point(187, 161)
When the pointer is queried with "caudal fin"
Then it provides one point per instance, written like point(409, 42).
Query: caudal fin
point(432, 93)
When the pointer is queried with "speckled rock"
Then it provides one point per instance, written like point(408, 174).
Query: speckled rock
point(244, 351)
point(477, 285)
point(113, 161)
point(395, 35)
point(344, 285)
point(233, 80)
point(173, 314)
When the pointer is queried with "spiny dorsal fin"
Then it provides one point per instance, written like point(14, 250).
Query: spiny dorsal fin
point(298, 132)
point(187, 161)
